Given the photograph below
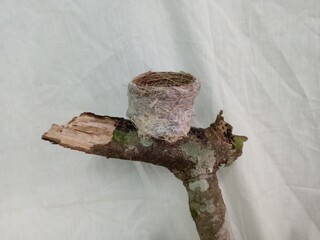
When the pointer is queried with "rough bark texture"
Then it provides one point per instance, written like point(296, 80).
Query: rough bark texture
point(193, 159)
point(207, 208)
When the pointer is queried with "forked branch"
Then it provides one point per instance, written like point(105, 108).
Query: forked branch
point(194, 159)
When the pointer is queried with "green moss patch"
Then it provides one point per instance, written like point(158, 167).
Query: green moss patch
point(124, 137)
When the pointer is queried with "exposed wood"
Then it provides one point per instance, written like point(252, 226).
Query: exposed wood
point(193, 159)
point(82, 133)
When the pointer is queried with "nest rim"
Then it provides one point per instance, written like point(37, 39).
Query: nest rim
point(163, 79)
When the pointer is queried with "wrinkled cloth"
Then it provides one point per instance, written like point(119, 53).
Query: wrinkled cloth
point(256, 60)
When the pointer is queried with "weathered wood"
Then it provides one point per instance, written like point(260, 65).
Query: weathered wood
point(193, 159)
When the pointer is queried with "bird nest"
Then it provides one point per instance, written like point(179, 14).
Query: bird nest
point(160, 104)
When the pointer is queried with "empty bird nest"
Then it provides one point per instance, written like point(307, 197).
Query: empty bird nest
point(160, 104)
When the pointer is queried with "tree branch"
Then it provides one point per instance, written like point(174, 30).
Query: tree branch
point(194, 159)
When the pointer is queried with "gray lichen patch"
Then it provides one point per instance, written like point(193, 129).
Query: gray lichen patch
point(208, 206)
point(200, 185)
point(192, 150)
point(205, 206)
point(203, 157)
point(206, 158)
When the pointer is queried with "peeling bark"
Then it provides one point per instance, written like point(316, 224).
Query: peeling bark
point(193, 159)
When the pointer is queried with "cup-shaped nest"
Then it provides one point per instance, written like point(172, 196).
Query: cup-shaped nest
point(160, 104)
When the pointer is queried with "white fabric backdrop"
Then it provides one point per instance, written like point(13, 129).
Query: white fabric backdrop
point(257, 60)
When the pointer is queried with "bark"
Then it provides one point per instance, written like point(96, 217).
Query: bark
point(207, 208)
point(194, 159)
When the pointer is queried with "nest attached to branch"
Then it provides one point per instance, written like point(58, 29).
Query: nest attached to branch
point(160, 104)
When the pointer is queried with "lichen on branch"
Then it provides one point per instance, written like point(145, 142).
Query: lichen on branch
point(194, 159)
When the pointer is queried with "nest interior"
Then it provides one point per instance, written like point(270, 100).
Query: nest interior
point(163, 79)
